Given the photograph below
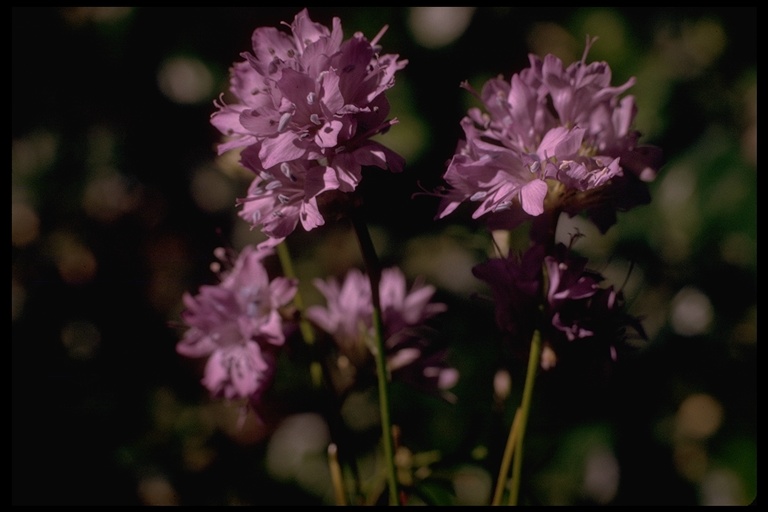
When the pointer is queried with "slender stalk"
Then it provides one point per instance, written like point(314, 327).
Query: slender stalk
point(315, 369)
point(374, 275)
point(533, 365)
point(501, 481)
point(320, 379)
point(336, 478)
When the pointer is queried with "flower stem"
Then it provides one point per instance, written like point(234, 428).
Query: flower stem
point(533, 365)
point(336, 476)
point(374, 275)
point(501, 481)
point(315, 369)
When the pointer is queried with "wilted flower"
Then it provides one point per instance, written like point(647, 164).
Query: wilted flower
point(312, 101)
point(553, 139)
point(348, 318)
point(237, 325)
point(575, 307)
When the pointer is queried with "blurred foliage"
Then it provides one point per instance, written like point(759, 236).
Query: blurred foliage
point(118, 201)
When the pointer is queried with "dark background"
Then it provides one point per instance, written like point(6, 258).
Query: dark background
point(118, 201)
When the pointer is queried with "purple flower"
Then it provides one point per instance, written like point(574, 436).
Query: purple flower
point(280, 199)
point(552, 139)
point(237, 325)
point(348, 318)
point(313, 101)
point(575, 308)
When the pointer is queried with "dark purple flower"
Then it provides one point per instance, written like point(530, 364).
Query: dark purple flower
point(574, 308)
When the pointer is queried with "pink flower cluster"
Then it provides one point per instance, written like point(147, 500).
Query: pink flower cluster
point(237, 325)
point(553, 138)
point(348, 318)
point(307, 104)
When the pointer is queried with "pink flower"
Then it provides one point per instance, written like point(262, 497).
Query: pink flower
point(553, 138)
point(237, 325)
point(348, 319)
point(312, 100)
point(280, 199)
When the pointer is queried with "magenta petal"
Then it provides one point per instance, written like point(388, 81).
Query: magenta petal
point(310, 216)
point(327, 135)
point(283, 290)
point(532, 197)
point(332, 98)
point(373, 153)
point(320, 179)
point(269, 43)
point(215, 372)
point(282, 148)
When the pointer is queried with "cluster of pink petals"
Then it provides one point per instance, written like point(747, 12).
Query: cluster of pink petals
point(237, 325)
point(307, 104)
point(551, 135)
point(577, 307)
point(348, 318)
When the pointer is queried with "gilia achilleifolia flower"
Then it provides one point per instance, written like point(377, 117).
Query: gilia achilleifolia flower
point(237, 325)
point(576, 308)
point(348, 318)
point(551, 139)
point(312, 101)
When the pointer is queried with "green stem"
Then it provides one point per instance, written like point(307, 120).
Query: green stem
point(315, 369)
point(501, 480)
point(533, 365)
point(321, 380)
point(337, 479)
point(374, 275)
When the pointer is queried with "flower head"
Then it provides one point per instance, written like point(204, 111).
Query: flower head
point(313, 101)
point(552, 139)
point(348, 318)
point(576, 307)
point(237, 325)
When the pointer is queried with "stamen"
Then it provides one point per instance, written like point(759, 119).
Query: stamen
point(379, 35)
point(284, 121)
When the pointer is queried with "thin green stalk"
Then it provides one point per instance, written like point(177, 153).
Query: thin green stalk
point(339, 494)
point(530, 377)
point(315, 369)
point(319, 375)
point(501, 481)
point(374, 275)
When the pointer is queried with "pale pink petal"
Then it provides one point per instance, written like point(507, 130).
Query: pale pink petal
point(532, 197)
